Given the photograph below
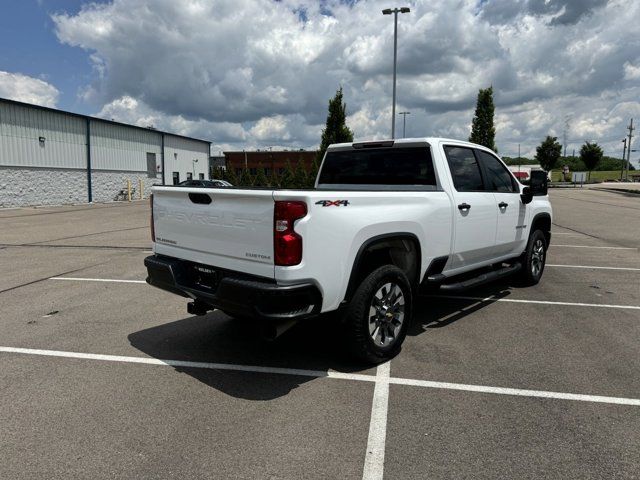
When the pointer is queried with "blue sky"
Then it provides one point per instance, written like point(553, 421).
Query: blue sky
point(256, 73)
point(28, 45)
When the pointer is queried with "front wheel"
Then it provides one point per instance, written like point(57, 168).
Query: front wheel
point(534, 258)
point(378, 315)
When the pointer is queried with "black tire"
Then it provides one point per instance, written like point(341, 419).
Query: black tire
point(357, 320)
point(534, 259)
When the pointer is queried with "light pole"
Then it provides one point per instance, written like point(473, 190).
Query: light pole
point(518, 158)
point(624, 156)
point(395, 11)
point(404, 122)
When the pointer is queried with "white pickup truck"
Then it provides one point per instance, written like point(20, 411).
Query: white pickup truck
point(384, 219)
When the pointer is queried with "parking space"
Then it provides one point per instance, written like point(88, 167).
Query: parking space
point(449, 434)
point(66, 418)
point(498, 382)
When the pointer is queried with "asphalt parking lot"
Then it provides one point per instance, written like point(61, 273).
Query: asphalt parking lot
point(103, 376)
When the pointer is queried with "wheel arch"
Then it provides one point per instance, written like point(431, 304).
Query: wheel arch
point(542, 221)
point(401, 249)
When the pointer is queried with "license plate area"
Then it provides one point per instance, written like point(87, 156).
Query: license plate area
point(203, 277)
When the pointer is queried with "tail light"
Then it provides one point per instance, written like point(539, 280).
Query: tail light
point(287, 244)
point(153, 230)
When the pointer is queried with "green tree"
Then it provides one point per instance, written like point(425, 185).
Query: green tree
point(274, 180)
point(230, 176)
point(313, 173)
point(548, 152)
point(260, 179)
point(287, 177)
point(483, 131)
point(245, 180)
point(518, 161)
point(336, 130)
point(591, 155)
point(300, 175)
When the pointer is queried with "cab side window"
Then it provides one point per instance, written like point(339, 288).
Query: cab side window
point(498, 177)
point(465, 169)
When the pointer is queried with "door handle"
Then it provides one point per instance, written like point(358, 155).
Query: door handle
point(464, 206)
point(503, 205)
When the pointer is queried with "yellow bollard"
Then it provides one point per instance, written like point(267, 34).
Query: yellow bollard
point(128, 190)
point(140, 188)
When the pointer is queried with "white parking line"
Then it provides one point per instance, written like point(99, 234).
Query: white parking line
point(460, 297)
point(77, 279)
point(631, 269)
point(189, 364)
point(589, 246)
point(374, 458)
point(380, 377)
point(517, 392)
point(540, 302)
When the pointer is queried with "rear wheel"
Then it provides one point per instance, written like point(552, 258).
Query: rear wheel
point(534, 258)
point(379, 314)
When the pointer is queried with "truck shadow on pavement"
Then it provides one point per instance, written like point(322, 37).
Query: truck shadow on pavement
point(432, 311)
point(217, 338)
point(311, 345)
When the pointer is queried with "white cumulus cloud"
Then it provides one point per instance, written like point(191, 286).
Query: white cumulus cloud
point(16, 86)
point(260, 72)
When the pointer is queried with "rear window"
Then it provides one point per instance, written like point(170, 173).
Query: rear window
point(382, 166)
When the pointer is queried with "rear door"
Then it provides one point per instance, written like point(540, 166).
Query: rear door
point(511, 225)
point(474, 209)
point(230, 229)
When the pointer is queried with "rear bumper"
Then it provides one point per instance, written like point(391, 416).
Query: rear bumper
point(233, 292)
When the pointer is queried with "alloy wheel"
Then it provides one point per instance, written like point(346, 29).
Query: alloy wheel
point(537, 257)
point(386, 314)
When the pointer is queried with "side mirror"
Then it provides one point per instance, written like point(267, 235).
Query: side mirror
point(538, 183)
point(527, 195)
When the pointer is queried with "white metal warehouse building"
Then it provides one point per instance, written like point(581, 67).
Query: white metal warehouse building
point(52, 157)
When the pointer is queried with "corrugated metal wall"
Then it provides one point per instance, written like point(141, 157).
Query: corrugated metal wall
point(179, 155)
point(64, 144)
point(113, 147)
point(116, 147)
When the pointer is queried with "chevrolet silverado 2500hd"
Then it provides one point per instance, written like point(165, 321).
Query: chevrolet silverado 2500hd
point(383, 219)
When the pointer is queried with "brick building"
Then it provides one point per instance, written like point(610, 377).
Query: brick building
point(268, 160)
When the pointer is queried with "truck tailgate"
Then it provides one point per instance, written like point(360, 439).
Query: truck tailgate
point(234, 230)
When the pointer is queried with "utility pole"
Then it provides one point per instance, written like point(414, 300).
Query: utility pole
point(404, 122)
point(519, 158)
point(630, 136)
point(395, 11)
point(624, 156)
point(565, 133)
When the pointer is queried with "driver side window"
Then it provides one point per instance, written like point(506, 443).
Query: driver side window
point(499, 179)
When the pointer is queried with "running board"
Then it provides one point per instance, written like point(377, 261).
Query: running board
point(481, 279)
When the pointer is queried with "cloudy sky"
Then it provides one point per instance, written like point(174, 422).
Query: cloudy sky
point(258, 73)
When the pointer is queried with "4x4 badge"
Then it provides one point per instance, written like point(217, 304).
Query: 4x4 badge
point(333, 203)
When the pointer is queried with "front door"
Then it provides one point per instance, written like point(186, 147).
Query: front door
point(474, 210)
point(511, 226)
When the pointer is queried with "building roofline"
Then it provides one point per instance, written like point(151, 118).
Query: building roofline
point(98, 119)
